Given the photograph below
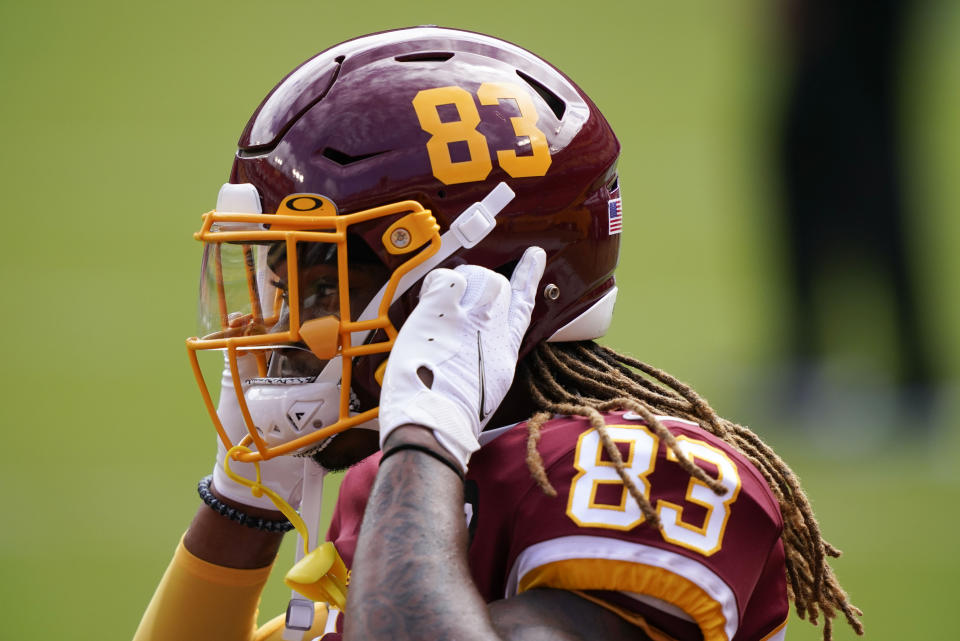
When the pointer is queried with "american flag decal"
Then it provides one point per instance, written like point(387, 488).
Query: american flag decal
point(615, 215)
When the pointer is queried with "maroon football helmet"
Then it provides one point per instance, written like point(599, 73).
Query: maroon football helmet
point(375, 161)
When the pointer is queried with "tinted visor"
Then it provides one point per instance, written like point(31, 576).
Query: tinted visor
point(253, 289)
point(238, 295)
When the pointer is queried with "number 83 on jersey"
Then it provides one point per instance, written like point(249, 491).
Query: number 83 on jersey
point(593, 472)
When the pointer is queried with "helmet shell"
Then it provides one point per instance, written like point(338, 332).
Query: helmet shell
point(344, 124)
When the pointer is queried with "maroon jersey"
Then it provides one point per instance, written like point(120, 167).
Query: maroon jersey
point(713, 570)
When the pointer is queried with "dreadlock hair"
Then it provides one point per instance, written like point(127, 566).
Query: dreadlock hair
point(586, 379)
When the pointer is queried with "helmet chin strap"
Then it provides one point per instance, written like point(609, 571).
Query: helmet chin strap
point(300, 609)
point(468, 229)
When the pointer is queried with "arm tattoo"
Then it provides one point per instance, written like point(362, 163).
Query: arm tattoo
point(411, 581)
point(410, 577)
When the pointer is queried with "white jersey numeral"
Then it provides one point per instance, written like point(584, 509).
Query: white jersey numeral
point(596, 473)
point(708, 538)
point(593, 474)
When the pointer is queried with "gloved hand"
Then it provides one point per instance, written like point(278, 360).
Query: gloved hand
point(282, 474)
point(466, 330)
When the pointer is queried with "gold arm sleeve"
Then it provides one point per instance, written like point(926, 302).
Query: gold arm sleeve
point(197, 600)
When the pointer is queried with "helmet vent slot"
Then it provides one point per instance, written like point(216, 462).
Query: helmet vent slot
point(556, 104)
point(345, 159)
point(280, 116)
point(425, 56)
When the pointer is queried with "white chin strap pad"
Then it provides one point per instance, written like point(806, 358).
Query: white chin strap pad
point(285, 409)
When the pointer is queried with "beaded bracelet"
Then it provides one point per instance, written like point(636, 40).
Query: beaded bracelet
point(232, 513)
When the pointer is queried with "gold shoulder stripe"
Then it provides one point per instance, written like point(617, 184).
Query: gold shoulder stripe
point(636, 619)
point(608, 574)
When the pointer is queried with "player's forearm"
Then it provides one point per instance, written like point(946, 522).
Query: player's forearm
point(410, 578)
point(216, 539)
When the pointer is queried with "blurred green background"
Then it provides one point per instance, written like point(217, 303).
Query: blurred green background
point(121, 119)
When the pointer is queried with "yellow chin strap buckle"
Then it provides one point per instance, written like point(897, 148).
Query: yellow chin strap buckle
point(322, 576)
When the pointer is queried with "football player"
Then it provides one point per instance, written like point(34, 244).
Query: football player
point(405, 274)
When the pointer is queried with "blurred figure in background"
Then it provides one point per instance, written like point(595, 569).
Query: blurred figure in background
point(843, 186)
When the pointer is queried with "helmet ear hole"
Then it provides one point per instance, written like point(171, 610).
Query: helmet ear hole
point(322, 336)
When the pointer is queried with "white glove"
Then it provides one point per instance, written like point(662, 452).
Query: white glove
point(282, 474)
point(466, 330)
